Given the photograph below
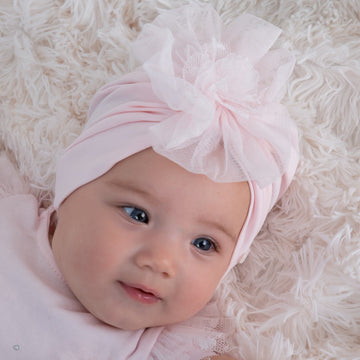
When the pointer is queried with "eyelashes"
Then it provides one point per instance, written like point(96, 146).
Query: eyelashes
point(205, 244)
point(136, 214)
point(202, 244)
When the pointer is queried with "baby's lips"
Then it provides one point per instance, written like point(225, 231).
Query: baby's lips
point(146, 290)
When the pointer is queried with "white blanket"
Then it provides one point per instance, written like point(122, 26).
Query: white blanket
point(297, 296)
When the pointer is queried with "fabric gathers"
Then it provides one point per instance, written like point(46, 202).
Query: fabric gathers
point(206, 96)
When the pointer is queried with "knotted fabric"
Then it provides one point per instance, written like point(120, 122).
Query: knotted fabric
point(206, 96)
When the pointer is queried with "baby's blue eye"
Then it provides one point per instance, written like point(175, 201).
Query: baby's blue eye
point(136, 214)
point(204, 244)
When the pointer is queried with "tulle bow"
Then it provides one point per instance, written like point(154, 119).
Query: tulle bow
point(224, 86)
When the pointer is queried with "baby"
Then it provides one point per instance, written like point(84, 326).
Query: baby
point(155, 202)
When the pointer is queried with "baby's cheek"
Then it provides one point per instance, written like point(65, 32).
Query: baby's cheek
point(198, 293)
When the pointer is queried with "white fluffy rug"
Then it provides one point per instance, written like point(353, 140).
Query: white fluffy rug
point(297, 296)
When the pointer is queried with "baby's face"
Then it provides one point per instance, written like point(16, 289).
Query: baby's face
point(147, 243)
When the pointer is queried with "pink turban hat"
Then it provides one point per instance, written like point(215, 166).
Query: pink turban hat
point(207, 96)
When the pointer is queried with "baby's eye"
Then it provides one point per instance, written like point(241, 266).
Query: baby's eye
point(204, 244)
point(136, 214)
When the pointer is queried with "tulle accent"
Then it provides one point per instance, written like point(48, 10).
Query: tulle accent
point(224, 86)
point(202, 336)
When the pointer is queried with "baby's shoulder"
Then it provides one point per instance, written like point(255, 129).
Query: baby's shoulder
point(11, 182)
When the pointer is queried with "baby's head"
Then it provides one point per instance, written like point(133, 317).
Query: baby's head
point(147, 243)
point(176, 170)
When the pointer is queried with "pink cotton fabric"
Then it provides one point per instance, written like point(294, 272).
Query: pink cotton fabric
point(207, 96)
point(42, 319)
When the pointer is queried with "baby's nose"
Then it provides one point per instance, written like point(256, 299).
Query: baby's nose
point(158, 255)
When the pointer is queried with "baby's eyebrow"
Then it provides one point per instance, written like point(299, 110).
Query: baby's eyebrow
point(220, 227)
point(129, 186)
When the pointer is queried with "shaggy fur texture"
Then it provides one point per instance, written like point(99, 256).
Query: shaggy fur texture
point(297, 296)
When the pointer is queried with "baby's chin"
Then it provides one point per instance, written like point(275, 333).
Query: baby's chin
point(136, 317)
point(129, 324)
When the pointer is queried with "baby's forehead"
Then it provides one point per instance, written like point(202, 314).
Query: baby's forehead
point(159, 182)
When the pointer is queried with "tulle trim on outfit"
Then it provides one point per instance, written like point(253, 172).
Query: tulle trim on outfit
point(194, 339)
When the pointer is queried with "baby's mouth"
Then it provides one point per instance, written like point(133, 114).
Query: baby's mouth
point(140, 293)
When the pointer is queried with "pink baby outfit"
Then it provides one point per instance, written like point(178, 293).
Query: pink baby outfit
point(40, 317)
